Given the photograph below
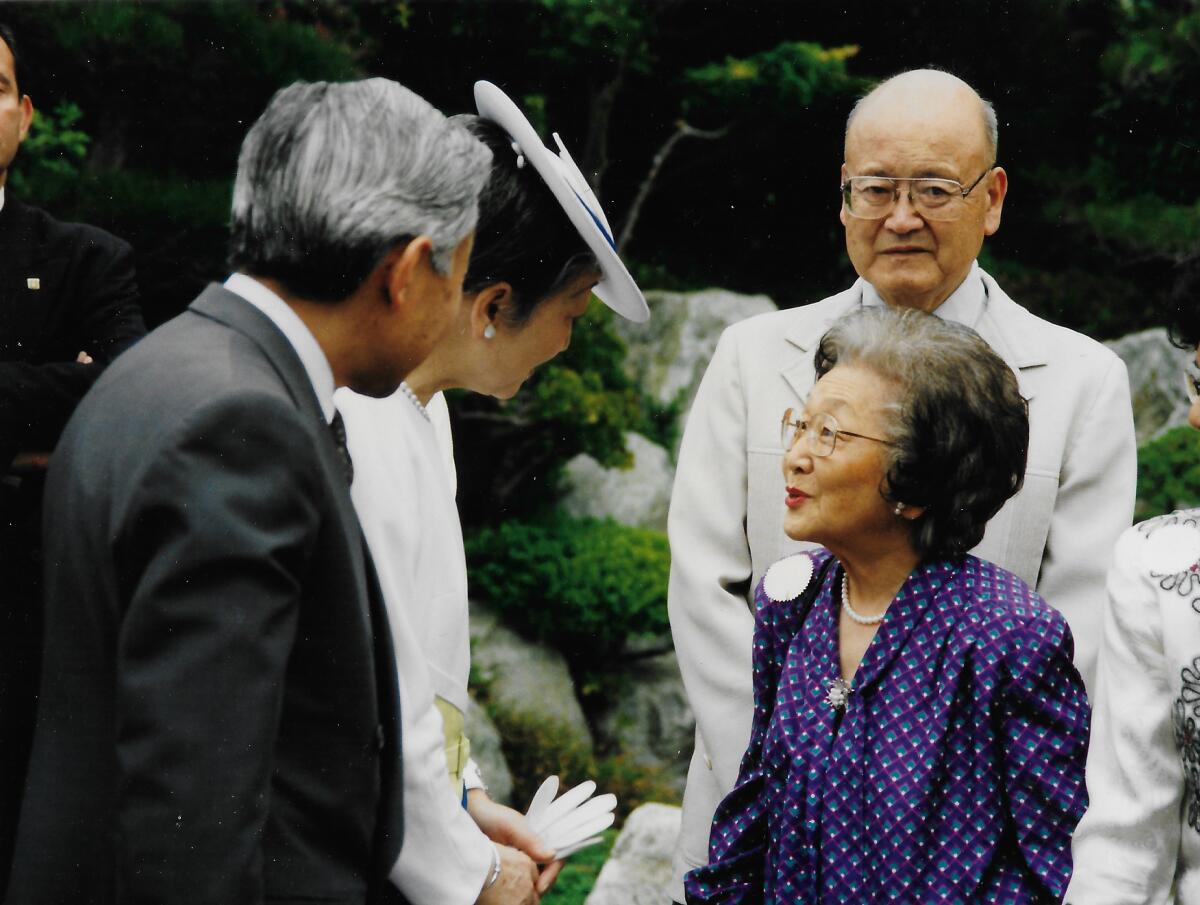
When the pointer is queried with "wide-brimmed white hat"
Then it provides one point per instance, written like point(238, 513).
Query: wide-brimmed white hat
point(616, 288)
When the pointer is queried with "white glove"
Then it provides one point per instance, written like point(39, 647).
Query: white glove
point(572, 821)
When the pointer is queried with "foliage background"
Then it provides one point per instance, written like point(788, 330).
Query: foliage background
point(736, 107)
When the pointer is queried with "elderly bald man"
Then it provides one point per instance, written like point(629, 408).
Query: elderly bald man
point(920, 192)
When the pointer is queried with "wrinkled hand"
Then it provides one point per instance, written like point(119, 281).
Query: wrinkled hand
point(507, 827)
point(517, 883)
point(83, 358)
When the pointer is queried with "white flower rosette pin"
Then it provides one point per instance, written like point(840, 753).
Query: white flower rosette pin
point(787, 579)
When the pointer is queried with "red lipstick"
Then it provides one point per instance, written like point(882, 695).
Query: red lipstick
point(796, 497)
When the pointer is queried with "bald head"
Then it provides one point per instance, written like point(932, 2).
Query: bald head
point(928, 96)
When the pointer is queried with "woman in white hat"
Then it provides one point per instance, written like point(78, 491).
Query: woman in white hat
point(542, 248)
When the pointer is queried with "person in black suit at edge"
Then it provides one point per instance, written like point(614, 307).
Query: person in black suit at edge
point(68, 307)
point(218, 720)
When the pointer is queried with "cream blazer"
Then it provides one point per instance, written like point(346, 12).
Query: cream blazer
point(727, 506)
point(403, 493)
point(1141, 833)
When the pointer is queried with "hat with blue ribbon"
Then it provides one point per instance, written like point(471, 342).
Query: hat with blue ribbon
point(616, 288)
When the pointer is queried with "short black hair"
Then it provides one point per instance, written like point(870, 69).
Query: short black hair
point(7, 36)
point(960, 428)
point(524, 237)
point(1183, 305)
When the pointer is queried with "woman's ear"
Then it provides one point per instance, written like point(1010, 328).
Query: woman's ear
point(490, 305)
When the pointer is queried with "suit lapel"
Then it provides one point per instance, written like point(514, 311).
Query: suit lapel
point(806, 333)
point(23, 308)
point(1012, 332)
point(235, 312)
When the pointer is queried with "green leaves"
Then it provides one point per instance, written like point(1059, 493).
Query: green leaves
point(613, 29)
point(53, 149)
point(583, 586)
point(789, 76)
point(1168, 473)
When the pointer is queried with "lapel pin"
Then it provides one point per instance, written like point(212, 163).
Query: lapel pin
point(787, 579)
point(33, 282)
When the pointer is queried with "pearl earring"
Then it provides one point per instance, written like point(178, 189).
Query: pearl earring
point(899, 509)
point(489, 331)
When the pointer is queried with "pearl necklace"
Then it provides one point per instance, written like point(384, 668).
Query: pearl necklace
point(412, 397)
point(853, 613)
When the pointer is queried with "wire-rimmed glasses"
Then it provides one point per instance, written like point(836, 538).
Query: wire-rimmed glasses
point(874, 197)
point(821, 431)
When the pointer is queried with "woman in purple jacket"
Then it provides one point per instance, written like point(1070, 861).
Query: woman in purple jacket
point(919, 730)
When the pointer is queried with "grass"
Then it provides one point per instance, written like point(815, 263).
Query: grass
point(579, 873)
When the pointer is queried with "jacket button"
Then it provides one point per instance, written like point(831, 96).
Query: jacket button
point(379, 736)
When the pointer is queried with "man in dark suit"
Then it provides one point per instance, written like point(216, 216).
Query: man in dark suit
point(218, 715)
point(68, 306)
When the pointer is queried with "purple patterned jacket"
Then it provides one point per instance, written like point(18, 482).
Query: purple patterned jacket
point(954, 774)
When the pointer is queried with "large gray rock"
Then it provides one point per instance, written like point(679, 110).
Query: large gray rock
point(1155, 381)
point(521, 676)
point(638, 872)
point(485, 751)
point(668, 355)
point(637, 496)
point(651, 723)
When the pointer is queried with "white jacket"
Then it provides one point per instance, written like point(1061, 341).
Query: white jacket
point(1141, 833)
point(727, 507)
point(403, 493)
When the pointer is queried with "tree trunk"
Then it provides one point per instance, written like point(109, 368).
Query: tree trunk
point(682, 131)
point(595, 148)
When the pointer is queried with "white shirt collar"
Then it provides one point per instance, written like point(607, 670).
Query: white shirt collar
point(1, 197)
point(965, 305)
point(316, 365)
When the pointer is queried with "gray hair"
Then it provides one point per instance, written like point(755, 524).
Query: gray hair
point(991, 127)
point(959, 427)
point(332, 176)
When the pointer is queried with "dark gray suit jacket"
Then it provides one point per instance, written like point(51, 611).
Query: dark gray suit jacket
point(219, 717)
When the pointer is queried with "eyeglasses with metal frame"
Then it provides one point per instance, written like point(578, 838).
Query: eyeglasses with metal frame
point(874, 197)
point(820, 430)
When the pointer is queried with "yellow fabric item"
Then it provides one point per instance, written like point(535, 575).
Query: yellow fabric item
point(458, 746)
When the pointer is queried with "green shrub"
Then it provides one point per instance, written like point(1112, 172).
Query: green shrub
point(1168, 473)
point(581, 585)
point(535, 748)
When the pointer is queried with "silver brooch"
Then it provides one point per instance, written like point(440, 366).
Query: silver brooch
point(837, 695)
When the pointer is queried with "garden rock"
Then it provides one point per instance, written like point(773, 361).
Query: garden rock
point(638, 872)
point(1159, 401)
point(636, 496)
point(668, 356)
point(521, 676)
point(650, 723)
point(485, 751)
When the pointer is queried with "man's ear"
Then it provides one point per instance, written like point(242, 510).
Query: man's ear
point(409, 265)
point(26, 117)
point(489, 306)
point(842, 209)
point(997, 188)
